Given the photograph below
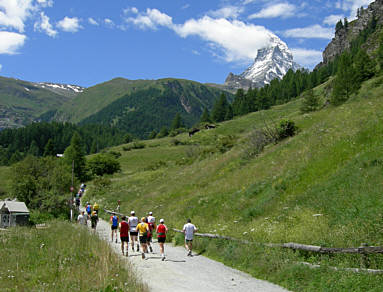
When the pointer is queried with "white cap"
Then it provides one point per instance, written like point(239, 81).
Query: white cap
point(150, 213)
point(132, 212)
point(162, 220)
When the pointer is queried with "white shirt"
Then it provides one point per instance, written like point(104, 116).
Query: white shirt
point(133, 222)
point(82, 219)
point(151, 219)
point(189, 231)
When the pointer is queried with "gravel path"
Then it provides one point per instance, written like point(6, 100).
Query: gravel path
point(182, 273)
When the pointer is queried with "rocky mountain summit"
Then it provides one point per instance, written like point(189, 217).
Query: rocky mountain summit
point(271, 62)
point(347, 33)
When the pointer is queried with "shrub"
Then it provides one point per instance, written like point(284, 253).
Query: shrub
point(156, 165)
point(138, 145)
point(286, 129)
point(175, 142)
point(225, 143)
point(116, 154)
point(101, 164)
point(310, 102)
point(256, 142)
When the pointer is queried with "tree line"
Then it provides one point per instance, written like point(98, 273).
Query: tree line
point(49, 139)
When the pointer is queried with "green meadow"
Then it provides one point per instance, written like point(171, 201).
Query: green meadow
point(323, 187)
point(61, 257)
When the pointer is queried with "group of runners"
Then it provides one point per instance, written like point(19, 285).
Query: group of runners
point(138, 232)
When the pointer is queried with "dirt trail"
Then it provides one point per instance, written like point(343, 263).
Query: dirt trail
point(182, 273)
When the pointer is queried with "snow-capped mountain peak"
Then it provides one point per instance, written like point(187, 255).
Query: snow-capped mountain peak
point(61, 88)
point(271, 62)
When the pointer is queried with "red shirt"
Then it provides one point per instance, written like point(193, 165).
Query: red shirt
point(161, 230)
point(124, 230)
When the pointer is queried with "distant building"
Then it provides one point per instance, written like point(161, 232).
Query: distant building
point(13, 213)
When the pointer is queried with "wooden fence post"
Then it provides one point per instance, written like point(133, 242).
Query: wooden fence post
point(365, 262)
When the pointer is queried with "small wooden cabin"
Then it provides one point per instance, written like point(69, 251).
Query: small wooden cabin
point(13, 213)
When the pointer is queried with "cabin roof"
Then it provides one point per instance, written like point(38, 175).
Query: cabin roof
point(14, 207)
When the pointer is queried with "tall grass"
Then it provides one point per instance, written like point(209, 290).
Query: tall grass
point(62, 257)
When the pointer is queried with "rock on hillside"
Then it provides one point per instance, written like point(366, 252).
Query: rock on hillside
point(344, 36)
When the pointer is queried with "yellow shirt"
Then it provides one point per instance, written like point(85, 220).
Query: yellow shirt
point(142, 228)
point(95, 207)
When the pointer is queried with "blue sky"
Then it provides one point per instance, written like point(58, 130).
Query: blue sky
point(85, 42)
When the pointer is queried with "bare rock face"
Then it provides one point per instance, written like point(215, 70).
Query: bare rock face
point(344, 36)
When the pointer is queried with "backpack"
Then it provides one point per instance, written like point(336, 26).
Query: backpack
point(88, 208)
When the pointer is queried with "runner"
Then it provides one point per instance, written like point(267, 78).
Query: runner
point(189, 230)
point(114, 222)
point(133, 221)
point(82, 219)
point(124, 235)
point(161, 236)
point(96, 207)
point(152, 226)
point(94, 220)
point(143, 229)
point(88, 208)
point(78, 201)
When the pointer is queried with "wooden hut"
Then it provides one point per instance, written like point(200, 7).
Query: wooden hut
point(13, 213)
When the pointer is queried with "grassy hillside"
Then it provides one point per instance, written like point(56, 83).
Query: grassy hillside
point(333, 167)
point(21, 102)
point(61, 258)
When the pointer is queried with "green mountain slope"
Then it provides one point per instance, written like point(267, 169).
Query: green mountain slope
point(22, 102)
point(321, 187)
point(145, 105)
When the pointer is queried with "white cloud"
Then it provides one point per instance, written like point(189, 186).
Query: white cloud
point(237, 40)
point(283, 10)
point(227, 12)
point(45, 3)
point(13, 13)
point(44, 25)
point(314, 31)
point(331, 20)
point(307, 58)
point(10, 42)
point(151, 19)
point(69, 24)
point(109, 22)
point(1, 67)
point(92, 21)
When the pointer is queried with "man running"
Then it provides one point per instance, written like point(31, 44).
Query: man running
point(88, 208)
point(96, 207)
point(94, 220)
point(189, 230)
point(133, 222)
point(114, 222)
point(161, 236)
point(143, 230)
point(124, 235)
point(152, 226)
point(82, 219)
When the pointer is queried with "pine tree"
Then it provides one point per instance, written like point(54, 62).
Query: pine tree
point(49, 149)
point(345, 82)
point(177, 122)
point(34, 149)
point(238, 102)
point(152, 134)
point(364, 66)
point(163, 132)
point(218, 113)
point(205, 118)
point(339, 25)
point(229, 113)
point(75, 153)
point(345, 23)
point(310, 102)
